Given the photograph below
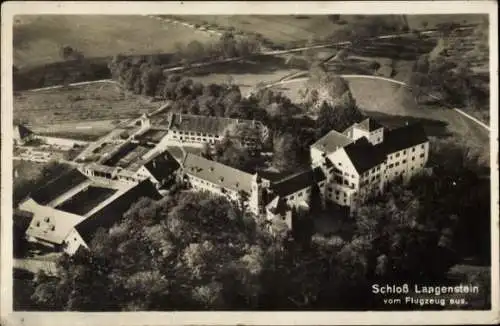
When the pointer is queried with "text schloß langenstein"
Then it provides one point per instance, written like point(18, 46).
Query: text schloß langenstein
point(424, 289)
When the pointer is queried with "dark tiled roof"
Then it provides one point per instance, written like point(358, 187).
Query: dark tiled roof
point(153, 135)
point(278, 206)
point(217, 173)
point(58, 186)
point(86, 200)
point(23, 131)
point(177, 152)
point(403, 137)
point(162, 166)
point(113, 212)
point(205, 124)
point(369, 125)
point(364, 155)
point(22, 219)
point(331, 142)
point(298, 181)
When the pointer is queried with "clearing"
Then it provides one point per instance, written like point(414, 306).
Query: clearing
point(38, 39)
point(99, 101)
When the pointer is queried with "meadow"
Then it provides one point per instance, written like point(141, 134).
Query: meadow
point(38, 39)
point(98, 101)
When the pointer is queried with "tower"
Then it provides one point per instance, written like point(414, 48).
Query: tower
point(255, 202)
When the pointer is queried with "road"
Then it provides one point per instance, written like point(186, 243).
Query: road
point(485, 127)
point(228, 60)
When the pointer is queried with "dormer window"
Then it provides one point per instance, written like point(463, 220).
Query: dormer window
point(47, 219)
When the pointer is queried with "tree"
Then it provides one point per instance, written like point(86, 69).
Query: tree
point(286, 156)
point(235, 155)
point(339, 117)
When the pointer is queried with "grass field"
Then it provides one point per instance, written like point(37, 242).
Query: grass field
point(246, 73)
point(280, 29)
point(85, 130)
point(78, 103)
point(38, 39)
point(416, 21)
point(378, 97)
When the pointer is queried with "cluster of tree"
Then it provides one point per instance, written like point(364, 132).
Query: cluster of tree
point(228, 46)
point(231, 152)
point(329, 97)
point(449, 79)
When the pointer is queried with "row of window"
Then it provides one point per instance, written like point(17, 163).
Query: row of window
point(404, 161)
point(422, 146)
point(299, 194)
point(190, 133)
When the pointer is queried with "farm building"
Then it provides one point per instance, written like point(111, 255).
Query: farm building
point(62, 204)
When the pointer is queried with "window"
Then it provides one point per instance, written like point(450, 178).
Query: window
point(300, 194)
point(397, 155)
point(337, 192)
point(397, 163)
point(390, 165)
point(352, 175)
point(413, 149)
point(413, 158)
point(404, 152)
point(292, 197)
point(404, 161)
point(422, 155)
point(422, 146)
point(340, 164)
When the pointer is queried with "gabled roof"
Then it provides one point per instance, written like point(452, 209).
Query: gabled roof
point(113, 212)
point(368, 124)
point(217, 173)
point(298, 181)
point(364, 155)
point(402, 138)
point(332, 141)
point(177, 152)
point(58, 186)
point(49, 224)
point(277, 206)
point(22, 131)
point(203, 124)
point(162, 165)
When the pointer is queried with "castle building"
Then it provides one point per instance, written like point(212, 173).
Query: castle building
point(366, 156)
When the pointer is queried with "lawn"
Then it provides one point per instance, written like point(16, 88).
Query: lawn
point(38, 39)
point(100, 101)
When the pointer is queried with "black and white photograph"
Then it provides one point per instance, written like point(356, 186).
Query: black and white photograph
point(197, 160)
